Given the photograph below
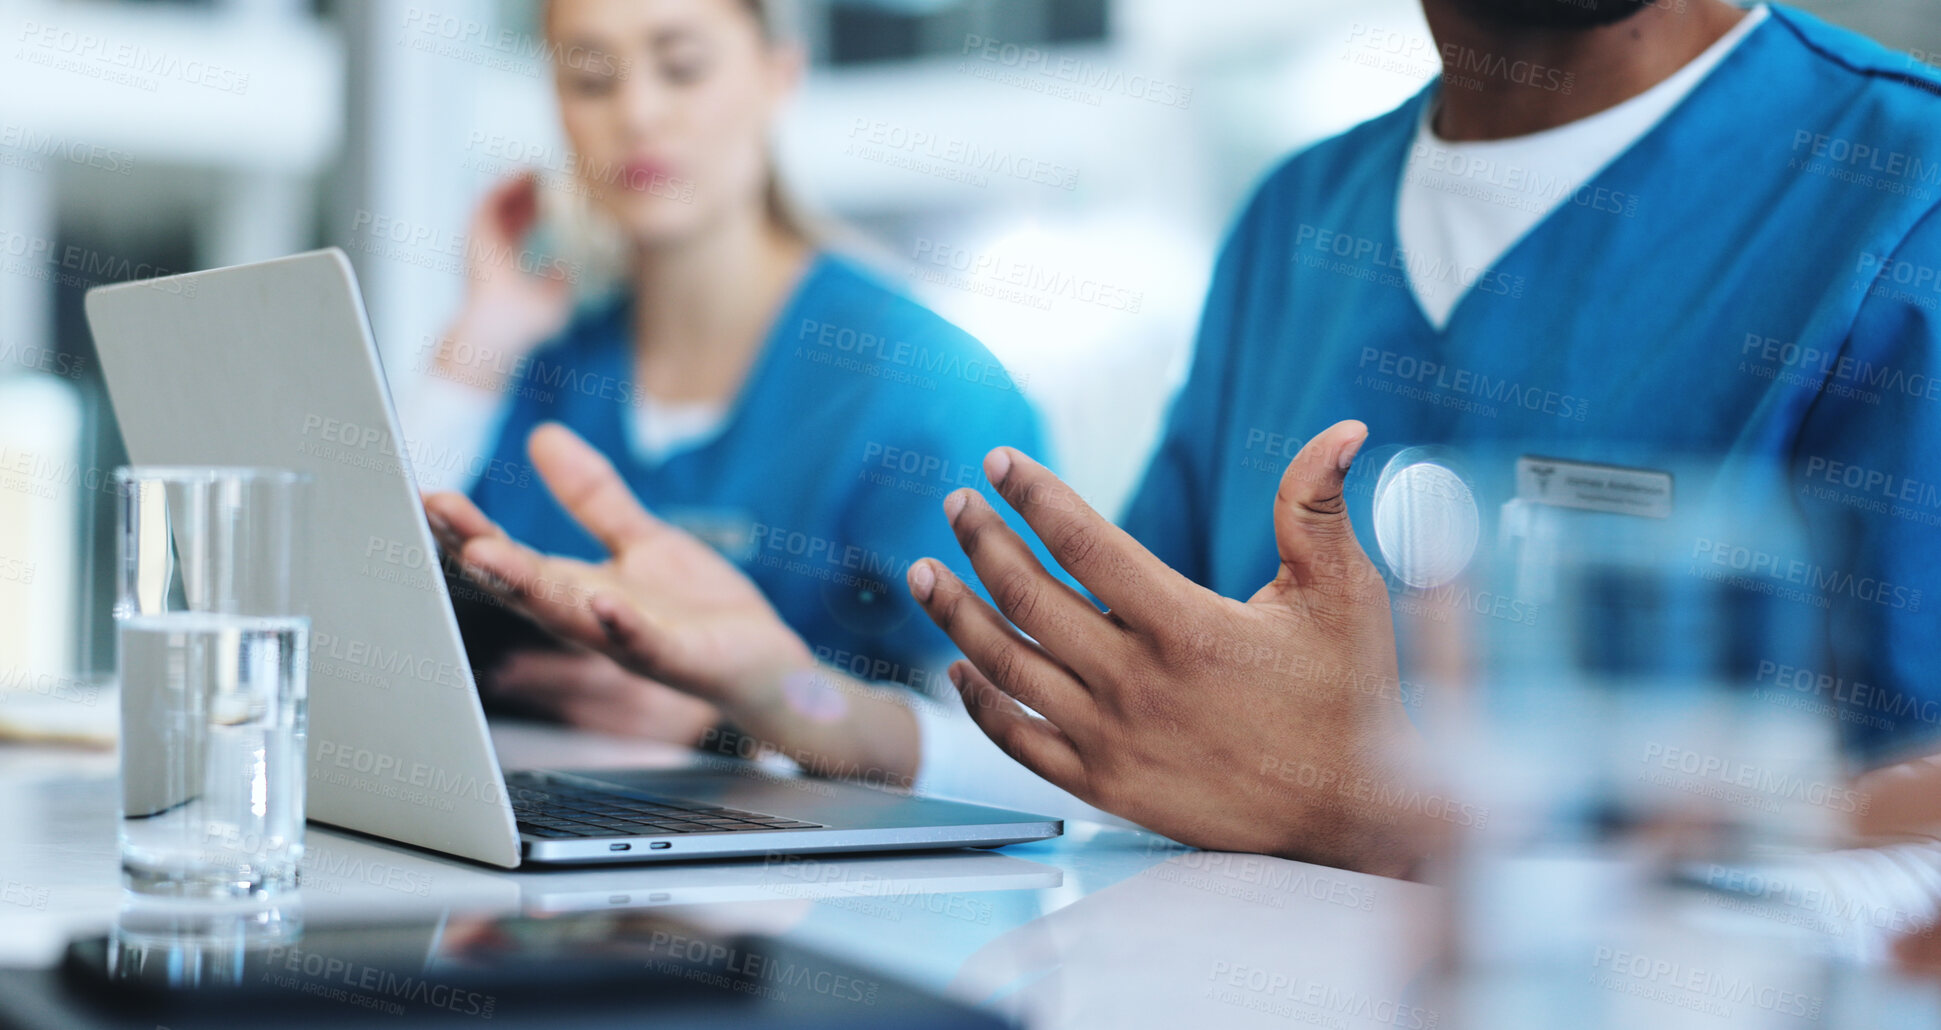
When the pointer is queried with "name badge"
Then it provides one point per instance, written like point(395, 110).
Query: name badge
point(1606, 488)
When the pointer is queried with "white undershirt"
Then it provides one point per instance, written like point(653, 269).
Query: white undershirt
point(659, 430)
point(1464, 205)
point(446, 418)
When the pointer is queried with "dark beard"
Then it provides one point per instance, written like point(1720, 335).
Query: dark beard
point(1551, 14)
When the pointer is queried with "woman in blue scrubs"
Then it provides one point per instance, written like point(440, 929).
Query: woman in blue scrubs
point(774, 399)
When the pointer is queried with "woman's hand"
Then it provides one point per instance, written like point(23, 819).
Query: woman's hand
point(664, 605)
point(592, 692)
point(667, 608)
point(508, 308)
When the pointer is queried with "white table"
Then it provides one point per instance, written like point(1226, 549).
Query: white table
point(1103, 927)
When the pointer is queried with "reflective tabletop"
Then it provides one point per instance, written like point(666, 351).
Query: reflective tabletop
point(1105, 926)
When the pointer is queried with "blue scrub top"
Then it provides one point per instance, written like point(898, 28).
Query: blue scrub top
point(1756, 283)
point(862, 412)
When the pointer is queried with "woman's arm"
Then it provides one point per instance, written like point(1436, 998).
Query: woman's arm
point(668, 607)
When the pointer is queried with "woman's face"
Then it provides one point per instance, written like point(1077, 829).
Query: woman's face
point(667, 104)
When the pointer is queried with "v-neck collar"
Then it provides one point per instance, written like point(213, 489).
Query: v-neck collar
point(1418, 108)
point(764, 368)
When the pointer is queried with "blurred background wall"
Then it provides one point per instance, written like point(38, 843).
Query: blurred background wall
point(146, 137)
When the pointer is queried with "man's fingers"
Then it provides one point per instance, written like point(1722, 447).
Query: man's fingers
point(1123, 575)
point(1311, 511)
point(1040, 604)
point(1034, 743)
point(588, 487)
point(1021, 668)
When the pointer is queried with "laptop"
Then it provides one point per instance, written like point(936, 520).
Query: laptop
point(273, 365)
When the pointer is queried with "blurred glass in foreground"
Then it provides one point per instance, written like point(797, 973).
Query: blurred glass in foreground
point(1605, 699)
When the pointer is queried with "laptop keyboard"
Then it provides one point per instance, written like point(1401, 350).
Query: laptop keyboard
point(556, 810)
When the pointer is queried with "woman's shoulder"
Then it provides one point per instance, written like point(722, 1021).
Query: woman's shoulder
point(869, 341)
point(861, 314)
point(848, 293)
point(597, 324)
point(853, 317)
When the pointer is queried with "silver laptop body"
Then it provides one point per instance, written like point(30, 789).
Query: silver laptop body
point(273, 365)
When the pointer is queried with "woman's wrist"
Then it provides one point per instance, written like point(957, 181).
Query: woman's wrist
point(472, 354)
point(830, 724)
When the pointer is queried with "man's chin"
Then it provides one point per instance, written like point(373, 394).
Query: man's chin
point(1552, 14)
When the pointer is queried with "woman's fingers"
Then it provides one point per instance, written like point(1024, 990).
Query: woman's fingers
point(644, 645)
point(587, 486)
point(455, 515)
point(554, 592)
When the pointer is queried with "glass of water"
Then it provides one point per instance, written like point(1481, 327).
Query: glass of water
point(213, 656)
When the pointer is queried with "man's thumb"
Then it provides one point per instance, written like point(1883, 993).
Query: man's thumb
point(1310, 510)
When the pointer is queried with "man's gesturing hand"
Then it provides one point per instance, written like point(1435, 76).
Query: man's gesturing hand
point(1273, 726)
